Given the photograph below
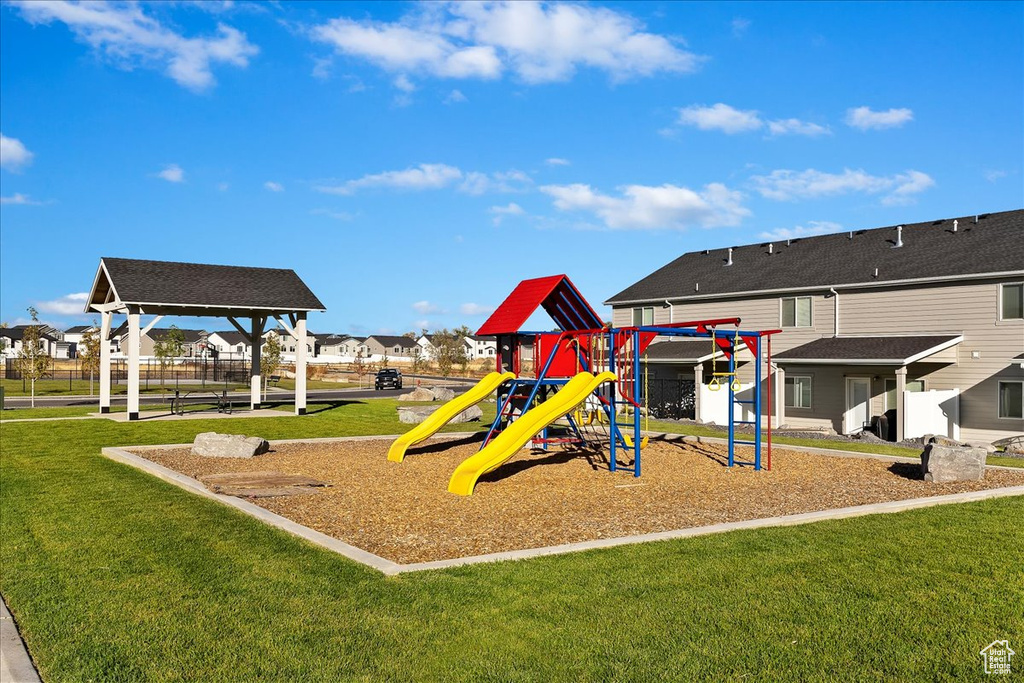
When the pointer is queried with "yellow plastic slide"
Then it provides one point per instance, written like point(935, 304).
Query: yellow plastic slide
point(445, 413)
point(515, 436)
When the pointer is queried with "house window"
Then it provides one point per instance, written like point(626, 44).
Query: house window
point(796, 311)
point(1011, 301)
point(239, 347)
point(643, 316)
point(1010, 399)
point(890, 391)
point(798, 392)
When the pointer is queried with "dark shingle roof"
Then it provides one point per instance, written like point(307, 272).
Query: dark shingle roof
point(197, 284)
point(862, 349)
point(191, 336)
point(682, 350)
point(995, 244)
point(232, 337)
point(389, 340)
point(18, 331)
point(79, 329)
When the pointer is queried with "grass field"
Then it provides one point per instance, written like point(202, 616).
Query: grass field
point(114, 575)
point(80, 387)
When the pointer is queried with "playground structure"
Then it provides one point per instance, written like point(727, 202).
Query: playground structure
point(587, 373)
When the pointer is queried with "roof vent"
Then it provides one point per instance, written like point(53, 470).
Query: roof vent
point(899, 237)
point(696, 286)
point(975, 218)
point(876, 273)
point(729, 262)
point(851, 234)
point(787, 242)
point(954, 225)
point(771, 248)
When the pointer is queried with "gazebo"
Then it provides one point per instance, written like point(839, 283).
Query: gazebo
point(133, 288)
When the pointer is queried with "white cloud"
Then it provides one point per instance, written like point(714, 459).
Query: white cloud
point(69, 304)
point(475, 309)
point(426, 308)
point(556, 161)
point(223, 187)
point(322, 68)
point(644, 207)
point(500, 212)
point(422, 324)
point(20, 199)
point(404, 84)
point(13, 154)
point(812, 228)
point(797, 127)
point(992, 175)
point(537, 42)
point(172, 173)
point(720, 117)
point(866, 119)
point(787, 185)
point(273, 186)
point(455, 97)
point(434, 177)
point(422, 177)
point(740, 26)
point(129, 37)
point(336, 215)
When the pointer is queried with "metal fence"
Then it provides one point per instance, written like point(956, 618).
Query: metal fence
point(672, 399)
point(188, 371)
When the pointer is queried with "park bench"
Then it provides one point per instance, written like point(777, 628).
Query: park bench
point(274, 379)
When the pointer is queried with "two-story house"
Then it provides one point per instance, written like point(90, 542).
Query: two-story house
point(377, 346)
point(868, 318)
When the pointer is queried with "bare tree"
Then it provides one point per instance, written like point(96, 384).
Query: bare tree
point(90, 354)
point(448, 350)
point(270, 359)
point(32, 362)
point(359, 368)
point(170, 346)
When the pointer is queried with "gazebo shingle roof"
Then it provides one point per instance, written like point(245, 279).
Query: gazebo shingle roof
point(139, 281)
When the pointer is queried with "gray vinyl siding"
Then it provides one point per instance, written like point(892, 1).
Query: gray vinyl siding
point(969, 308)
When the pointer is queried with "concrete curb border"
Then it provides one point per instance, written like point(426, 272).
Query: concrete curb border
point(390, 568)
point(16, 665)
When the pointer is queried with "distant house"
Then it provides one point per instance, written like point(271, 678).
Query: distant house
point(289, 343)
point(229, 344)
point(193, 346)
point(379, 345)
point(76, 336)
point(341, 345)
point(11, 338)
point(922, 324)
point(476, 346)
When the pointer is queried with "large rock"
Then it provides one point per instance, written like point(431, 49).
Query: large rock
point(952, 463)
point(417, 414)
point(214, 445)
point(418, 394)
point(443, 394)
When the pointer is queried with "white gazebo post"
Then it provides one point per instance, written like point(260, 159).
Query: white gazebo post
point(134, 349)
point(106, 317)
point(255, 381)
point(698, 381)
point(300, 364)
point(901, 401)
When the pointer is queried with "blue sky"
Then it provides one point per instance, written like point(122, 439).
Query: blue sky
point(414, 162)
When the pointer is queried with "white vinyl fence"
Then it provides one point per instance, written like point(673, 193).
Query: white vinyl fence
point(932, 412)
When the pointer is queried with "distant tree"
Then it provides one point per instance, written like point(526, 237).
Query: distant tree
point(270, 359)
point(90, 354)
point(168, 347)
point(383, 364)
point(358, 367)
point(447, 351)
point(32, 361)
point(462, 356)
point(418, 358)
point(3, 342)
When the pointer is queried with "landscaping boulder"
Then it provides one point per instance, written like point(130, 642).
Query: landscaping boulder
point(952, 463)
point(214, 445)
point(417, 414)
point(443, 394)
point(418, 394)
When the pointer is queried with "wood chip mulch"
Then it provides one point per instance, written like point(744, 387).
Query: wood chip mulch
point(403, 511)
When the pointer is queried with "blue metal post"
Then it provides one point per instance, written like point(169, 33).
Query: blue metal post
point(542, 375)
point(636, 404)
point(757, 406)
point(732, 407)
point(501, 409)
point(612, 427)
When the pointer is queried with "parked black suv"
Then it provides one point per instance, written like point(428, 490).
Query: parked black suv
point(388, 378)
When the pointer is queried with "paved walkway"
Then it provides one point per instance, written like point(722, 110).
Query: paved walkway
point(15, 664)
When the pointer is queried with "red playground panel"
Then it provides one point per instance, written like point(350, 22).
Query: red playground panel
point(565, 363)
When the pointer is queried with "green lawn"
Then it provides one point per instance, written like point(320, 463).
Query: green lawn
point(114, 575)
